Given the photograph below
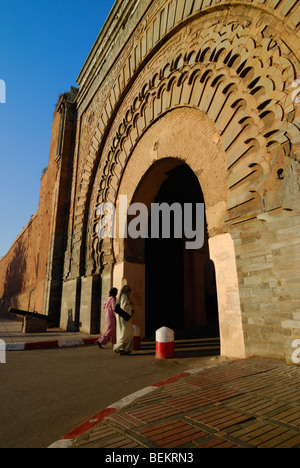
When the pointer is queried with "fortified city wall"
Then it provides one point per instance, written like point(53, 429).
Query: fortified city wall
point(203, 83)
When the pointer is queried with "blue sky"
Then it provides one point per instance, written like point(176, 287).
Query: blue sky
point(43, 46)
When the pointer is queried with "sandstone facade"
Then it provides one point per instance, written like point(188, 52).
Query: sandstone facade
point(206, 90)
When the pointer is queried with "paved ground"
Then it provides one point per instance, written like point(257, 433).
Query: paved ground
point(243, 404)
point(11, 333)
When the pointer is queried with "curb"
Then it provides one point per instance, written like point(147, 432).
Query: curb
point(49, 344)
point(67, 440)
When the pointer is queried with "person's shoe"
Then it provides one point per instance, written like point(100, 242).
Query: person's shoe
point(99, 344)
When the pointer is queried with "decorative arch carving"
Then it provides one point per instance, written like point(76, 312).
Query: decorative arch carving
point(241, 80)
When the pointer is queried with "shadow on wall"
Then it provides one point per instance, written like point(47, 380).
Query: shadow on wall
point(14, 272)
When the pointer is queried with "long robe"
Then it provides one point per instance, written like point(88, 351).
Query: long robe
point(124, 329)
point(110, 321)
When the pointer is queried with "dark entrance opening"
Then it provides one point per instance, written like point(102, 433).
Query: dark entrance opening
point(180, 290)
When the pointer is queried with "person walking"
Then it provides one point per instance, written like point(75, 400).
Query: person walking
point(124, 327)
point(110, 319)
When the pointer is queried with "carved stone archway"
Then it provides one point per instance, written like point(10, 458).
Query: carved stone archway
point(239, 79)
point(235, 68)
point(251, 39)
point(168, 143)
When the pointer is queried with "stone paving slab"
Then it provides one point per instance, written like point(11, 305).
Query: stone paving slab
point(227, 406)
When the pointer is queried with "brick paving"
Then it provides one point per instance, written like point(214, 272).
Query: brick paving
point(243, 404)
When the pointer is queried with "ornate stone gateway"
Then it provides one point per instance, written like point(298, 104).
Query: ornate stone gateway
point(210, 86)
point(184, 100)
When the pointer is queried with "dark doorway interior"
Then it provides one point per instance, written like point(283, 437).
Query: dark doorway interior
point(180, 283)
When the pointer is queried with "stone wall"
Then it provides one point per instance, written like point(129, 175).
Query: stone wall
point(32, 268)
point(268, 265)
point(236, 62)
point(210, 83)
point(117, 59)
point(23, 269)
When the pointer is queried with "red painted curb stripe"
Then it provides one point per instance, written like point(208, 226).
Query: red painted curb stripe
point(54, 344)
point(93, 421)
point(41, 345)
point(171, 379)
point(90, 340)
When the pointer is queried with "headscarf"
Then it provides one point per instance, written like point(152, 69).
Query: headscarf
point(125, 290)
point(113, 292)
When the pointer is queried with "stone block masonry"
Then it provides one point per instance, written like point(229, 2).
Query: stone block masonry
point(268, 264)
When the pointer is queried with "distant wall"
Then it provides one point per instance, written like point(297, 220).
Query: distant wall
point(23, 270)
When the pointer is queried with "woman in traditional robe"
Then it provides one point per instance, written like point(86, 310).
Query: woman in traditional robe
point(124, 328)
point(110, 319)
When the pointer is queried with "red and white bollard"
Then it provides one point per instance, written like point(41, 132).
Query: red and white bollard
point(165, 343)
point(136, 338)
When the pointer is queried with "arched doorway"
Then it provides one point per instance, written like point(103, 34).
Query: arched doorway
point(167, 146)
point(180, 286)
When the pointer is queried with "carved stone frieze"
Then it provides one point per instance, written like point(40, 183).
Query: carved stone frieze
point(241, 79)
